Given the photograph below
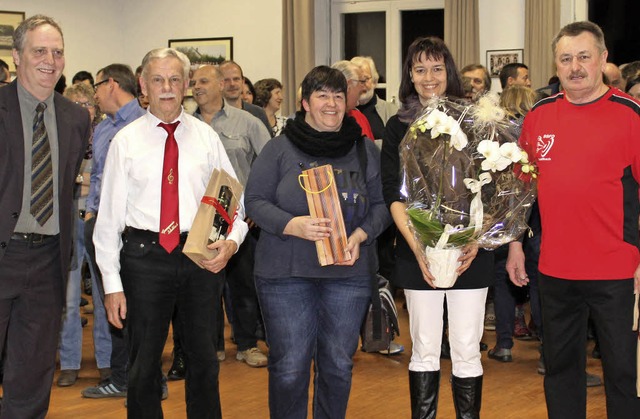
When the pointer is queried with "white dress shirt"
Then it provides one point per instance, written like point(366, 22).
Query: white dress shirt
point(131, 186)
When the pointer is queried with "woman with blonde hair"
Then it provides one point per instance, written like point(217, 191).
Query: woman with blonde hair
point(517, 100)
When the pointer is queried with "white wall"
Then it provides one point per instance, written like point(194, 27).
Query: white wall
point(100, 33)
point(84, 24)
point(501, 27)
point(255, 25)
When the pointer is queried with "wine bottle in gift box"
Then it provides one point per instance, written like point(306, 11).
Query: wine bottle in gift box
point(220, 225)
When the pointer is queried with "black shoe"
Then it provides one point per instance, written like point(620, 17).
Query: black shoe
point(467, 396)
point(500, 354)
point(83, 301)
point(424, 387)
point(104, 390)
point(178, 368)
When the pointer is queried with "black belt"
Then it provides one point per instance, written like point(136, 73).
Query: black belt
point(148, 235)
point(33, 238)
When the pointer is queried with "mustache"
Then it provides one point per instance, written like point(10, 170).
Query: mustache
point(366, 97)
point(577, 74)
point(167, 96)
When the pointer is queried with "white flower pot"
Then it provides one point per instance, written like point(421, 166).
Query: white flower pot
point(443, 264)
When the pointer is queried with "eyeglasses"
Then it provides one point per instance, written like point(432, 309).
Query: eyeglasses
point(356, 81)
point(95, 85)
point(85, 104)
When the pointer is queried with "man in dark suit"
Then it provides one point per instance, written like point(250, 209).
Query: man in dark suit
point(43, 137)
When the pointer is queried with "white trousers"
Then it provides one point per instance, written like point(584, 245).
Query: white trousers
point(466, 325)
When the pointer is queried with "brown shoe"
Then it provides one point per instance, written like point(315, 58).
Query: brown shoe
point(67, 378)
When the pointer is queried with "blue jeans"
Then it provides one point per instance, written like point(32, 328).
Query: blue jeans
point(71, 334)
point(312, 319)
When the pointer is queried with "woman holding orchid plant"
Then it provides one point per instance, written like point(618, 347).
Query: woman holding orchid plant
point(429, 71)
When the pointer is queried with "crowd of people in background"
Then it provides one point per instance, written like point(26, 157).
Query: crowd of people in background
point(106, 174)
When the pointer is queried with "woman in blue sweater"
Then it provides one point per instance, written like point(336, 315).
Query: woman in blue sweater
point(313, 312)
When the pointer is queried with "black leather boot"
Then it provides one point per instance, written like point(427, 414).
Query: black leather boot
point(467, 396)
point(424, 387)
point(178, 368)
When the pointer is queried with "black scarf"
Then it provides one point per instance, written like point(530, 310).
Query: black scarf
point(323, 143)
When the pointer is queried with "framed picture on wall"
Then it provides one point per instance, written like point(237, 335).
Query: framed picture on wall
point(9, 21)
point(203, 51)
point(496, 59)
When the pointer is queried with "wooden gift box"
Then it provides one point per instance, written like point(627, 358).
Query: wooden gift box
point(324, 202)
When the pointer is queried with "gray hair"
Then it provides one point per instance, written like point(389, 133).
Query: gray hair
point(362, 61)
point(20, 34)
point(577, 28)
point(160, 53)
point(347, 68)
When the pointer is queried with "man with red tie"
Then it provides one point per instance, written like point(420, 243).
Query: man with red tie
point(156, 173)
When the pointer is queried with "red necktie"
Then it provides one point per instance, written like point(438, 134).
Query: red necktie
point(170, 203)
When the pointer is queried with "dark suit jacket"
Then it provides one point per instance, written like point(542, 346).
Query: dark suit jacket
point(74, 130)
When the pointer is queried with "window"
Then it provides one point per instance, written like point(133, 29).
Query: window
point(382, 30)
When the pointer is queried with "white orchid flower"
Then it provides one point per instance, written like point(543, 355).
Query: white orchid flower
point(441, 123)
point(503, 163)
point(498, 164)
point(490, 150)
point(511, 151)
point(433, 119)
point(459, 140)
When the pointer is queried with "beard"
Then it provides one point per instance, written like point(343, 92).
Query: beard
point(366, 97)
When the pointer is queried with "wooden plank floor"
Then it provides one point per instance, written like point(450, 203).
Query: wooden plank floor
point(380, 386)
